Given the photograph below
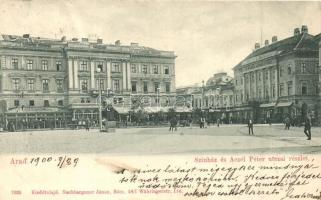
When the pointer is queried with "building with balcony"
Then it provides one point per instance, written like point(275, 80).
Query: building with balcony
point(51, 82)
point(279, 79)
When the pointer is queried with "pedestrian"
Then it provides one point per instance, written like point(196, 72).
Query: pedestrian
point(87, 124)
point(250, 125)
point(307, 127)
point(287, 123)
point(175, 123)
point(218, 121)
point(171, 124)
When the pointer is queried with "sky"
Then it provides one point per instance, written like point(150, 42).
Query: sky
point(207, 36)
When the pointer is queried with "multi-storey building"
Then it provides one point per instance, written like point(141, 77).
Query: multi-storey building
point(279, 79)
point(49, 82)
point(215, 97)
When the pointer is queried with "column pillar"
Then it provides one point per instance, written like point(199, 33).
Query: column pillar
point(243, 81)
point(128, 77)
point(269, 84)
point(70, 74)
point(250, 85)
point(124, 72)
point(262, 83)
point(92, 75)
point(276, 84)
point(255, 85)
point(108, 71)
point(76, 81)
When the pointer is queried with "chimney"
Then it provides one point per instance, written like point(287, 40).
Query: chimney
point(74, 39)
point(84, 39)
point(63, 39)
point(304, 29)
point(26, 35)
point(266, 42)
point(274, 39)
point(134, 44)
point(257, 46)
point(99, 41)
point(117, 43)
point(296, 31)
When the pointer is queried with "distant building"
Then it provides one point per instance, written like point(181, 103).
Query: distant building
point(49, 82)
point(214, 98)
point(279, 79)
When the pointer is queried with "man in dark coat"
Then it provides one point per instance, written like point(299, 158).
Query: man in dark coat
point(307, 127)
point(250, 125)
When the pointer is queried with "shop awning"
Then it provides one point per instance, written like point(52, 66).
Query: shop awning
point(242, 109)
point(183, 109)
point(33, 109)
point(122, 110)
point(214, 110)
point(267, 105)
point(284, 104)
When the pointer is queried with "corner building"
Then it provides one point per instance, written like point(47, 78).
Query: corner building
point(279, 79)
point(48, 83)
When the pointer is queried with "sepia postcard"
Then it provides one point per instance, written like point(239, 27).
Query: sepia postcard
point(153, 99)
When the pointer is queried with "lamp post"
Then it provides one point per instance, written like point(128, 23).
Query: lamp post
point(158, 89)
point(99, 103)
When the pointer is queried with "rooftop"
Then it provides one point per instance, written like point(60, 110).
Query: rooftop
point(27, 41)
point(299, 42)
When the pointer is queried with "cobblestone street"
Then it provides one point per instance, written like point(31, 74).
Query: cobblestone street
point(140, 141)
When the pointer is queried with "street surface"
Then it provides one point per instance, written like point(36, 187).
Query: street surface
point(140, 141)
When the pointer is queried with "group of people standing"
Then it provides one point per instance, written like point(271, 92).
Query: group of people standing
point(287, 122)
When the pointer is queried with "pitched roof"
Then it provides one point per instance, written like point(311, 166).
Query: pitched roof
point(301, 41)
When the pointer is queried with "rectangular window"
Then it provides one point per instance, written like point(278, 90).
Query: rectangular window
point(303, 68)
point(14, 63)
point(84, 85)
point(29, 64)
point(145, 87)
point(60, 102)
point(281, 71)
point(16, 103)
point(46, 103)
point(290, 86)
point(134, 86)
point(273, 91)
point(304, 88)
point(44, 65)
point(281, 92)
point(59, 83)
point(116, 86)
point(166, 70)
point(58, 65)
point(115, 67)
point(100, 66)
point(156, 87)
point(15, 84)
point(100, 84)
point(155, 69)
point(168, 87)
point(289, 69)
point(145, 69)
point(83, 66)
point(45, 85)
point(133, 68)
point(31, 84)
point(31, 102)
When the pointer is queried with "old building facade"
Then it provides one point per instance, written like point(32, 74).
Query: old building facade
point(49, 82)
point(279, 79)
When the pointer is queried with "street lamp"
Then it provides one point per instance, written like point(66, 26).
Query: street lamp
point(158, 90)
point(99, 102)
